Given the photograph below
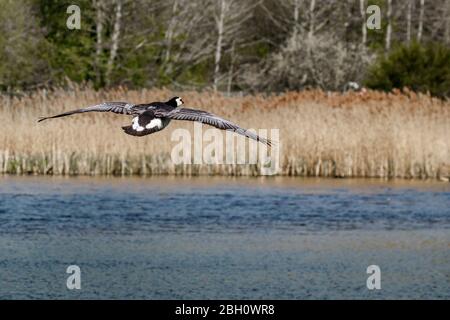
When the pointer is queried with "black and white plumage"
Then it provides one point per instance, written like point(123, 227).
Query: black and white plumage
point(155, 116)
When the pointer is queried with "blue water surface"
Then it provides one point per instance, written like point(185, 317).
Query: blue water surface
point(223, 238)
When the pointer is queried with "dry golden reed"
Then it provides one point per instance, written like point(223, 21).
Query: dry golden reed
point(369, 134)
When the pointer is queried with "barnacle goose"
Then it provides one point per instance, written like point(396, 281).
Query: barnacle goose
point(155, 116)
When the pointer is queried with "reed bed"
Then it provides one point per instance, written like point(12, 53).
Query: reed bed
point(370, 134)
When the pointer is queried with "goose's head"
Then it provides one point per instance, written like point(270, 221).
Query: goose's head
point(175, 102)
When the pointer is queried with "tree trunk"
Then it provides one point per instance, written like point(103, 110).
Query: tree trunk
point(99, 41)
point(231, 71)
point(312, 18)
point(218, 56)
point(389, 26)
point(408, 21)
point(296, 17)
point(312, 7)
point(170, 30)
point(114, 40)
point(362, 7)
point(447, 22)
point(421, 16)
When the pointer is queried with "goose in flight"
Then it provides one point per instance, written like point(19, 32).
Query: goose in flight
point(155, 116)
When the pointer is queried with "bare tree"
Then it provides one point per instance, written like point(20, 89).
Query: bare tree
point(220, 20)
point(389, 26)
point(296, 16)
point(312, 18)
point(231, 69)
point(320, 16)
point(229, 16)
point(293, 67)
point(182, 43)
point(190, 36)
point(114, 40)
point(421, 18)
point(447, 22)
point(98, 5)
point(284, 15)
point(362, 8)
point(408, 20)
point(170, 30)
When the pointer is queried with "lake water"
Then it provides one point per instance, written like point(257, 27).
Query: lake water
point(223, 238)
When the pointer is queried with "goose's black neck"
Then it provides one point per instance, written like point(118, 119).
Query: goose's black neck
point(173, 102)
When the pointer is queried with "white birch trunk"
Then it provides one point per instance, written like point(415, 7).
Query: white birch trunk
point(362, 8)
point(170, 31)
point(389, 26)
point(218, 55)
point(447, 22)
point(296, 17)
point(409, 21)
point(421, 16)
point(114, 40)
point(312, 18)
point(99, 34)
point(231, 71)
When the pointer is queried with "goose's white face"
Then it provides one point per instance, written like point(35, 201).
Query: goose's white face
point(179, 101)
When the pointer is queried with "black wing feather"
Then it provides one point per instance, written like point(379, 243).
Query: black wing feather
point(116, 107)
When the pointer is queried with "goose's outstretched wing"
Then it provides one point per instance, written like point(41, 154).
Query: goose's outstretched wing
point(210, 119)
point(116, 107)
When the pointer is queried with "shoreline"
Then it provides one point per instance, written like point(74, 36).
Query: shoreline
point(370, 134)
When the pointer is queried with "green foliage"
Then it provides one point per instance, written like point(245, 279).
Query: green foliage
point(71, 52)
point(22, 48)
point(196, 74)
point(423, 68)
